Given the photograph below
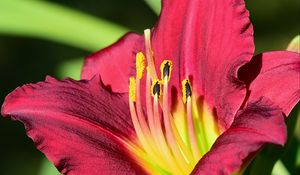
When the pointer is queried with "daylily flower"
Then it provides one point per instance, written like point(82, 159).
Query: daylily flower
point(187, 97)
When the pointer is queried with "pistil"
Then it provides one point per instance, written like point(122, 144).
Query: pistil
point(149, 54)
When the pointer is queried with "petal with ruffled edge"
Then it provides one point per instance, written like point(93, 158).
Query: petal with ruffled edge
point(275, 75)
point(208, 41)
point(259, 123)
point(78, 125)
point(115, 63)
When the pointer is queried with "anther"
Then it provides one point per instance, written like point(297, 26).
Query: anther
point(132, 89)
point(166, 69)
point(140, 64)
point(156, 88)
point(186, 90)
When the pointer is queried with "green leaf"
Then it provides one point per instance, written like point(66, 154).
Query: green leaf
point(47, 168)
point(155, 5)
point(280, 169)
point(54, 22)
point(294, 45)
point(70, 68)
point(298, 159)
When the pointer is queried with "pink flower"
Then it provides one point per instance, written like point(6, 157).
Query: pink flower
point(203, 106)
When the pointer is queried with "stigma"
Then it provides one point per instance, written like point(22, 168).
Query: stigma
point(162, 146)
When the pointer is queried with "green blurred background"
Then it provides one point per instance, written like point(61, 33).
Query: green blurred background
point(39, 38)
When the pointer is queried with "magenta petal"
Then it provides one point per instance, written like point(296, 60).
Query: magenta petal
point(275, 75)
point(115, 63)
point(208, 41)
point(78, 125)
point(259, 123)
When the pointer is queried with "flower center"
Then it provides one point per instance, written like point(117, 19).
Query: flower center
point(167, 143)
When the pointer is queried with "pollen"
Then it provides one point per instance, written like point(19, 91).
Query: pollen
point(132, 89)
point(140, 64)
point(186, 90)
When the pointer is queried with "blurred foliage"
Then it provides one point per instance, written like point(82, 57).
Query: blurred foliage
point(155, 5)
point(53, 22)
point(294, 45)
point(47, 168)
point(39, 38)
point(70, 68)
point(280, 169)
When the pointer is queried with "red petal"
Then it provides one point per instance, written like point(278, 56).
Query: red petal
point(115, 63)
point(275, 75)
point(208, 41)
point(78, 125)
point(261, 122)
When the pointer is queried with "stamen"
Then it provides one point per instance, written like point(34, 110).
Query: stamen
point(140, 66)
point(162, 142)
point(162, 146)
point(140, 114)
point(153, 117)
point(187, 98)
point(142, 136)
point(166, 71)
point(169, 132)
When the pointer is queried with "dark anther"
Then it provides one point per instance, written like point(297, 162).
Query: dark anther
point(156, 89)
point(166, 70)
point(188, 89)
